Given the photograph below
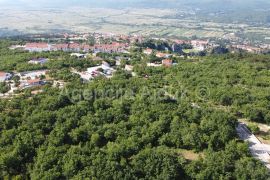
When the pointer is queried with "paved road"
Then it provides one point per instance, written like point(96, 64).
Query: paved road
point(258, 150)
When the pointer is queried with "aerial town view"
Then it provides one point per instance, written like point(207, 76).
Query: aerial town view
point(125, 89)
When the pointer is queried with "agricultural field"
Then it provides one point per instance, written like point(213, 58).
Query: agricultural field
point(159, 22)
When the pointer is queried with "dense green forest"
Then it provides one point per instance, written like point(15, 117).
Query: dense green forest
point(238, 82)
point(135, 127)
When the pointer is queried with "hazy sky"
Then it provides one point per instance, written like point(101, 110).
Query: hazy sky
point(59, 3)
point(138, 3)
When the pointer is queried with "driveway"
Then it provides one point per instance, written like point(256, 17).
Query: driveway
point(258, 150)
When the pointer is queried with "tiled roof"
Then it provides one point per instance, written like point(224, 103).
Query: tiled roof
point(37, 45)
point(2, 74)
point(167, 62)
point(33, 81)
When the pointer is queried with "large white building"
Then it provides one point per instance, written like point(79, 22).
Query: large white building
point(37, 47)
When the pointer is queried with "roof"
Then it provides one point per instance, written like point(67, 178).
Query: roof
point(39, 59)
point(148, 50)
point(85, 46)
point(167, 62)
point(2, 74)
point(110, 46)
point(37, 45)
point(162, 55)
point(74, 46)
point(33, 81)
point(199, 42)
point(178, 41)
point(61, 46)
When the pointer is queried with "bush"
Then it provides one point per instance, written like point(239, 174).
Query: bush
point(254, 128)
point(4, 87)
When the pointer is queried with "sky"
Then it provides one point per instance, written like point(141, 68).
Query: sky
point(137, 3)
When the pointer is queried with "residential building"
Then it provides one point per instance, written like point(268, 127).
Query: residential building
point(129, 68)
point(199, 45)
point(32, 83)
point(38, 61)
point(105, 65)
point(148, 51)
point(153, 65)
point(32, 74)
point(78, 55)
point(163, 55)
point(37, 47)
point(167, 62)
point(114, 47)
point(74, 47)
point(60, 47)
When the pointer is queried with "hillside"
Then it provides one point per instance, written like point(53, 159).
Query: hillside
point(163, 122)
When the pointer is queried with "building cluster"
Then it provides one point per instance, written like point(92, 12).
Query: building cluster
point(167, 62)
point(202, 45)
point(107, 43)
point(199, 45)
point(99, 37)
point(164, 62)
point(92, 72)
point(114, 47)
point(31, 78)
point(149, 51)
point(4, 76)
point(249, 48)
point(25, 79)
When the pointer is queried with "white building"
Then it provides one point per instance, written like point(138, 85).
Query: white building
point(153, 65)
point(148, 51)
point(78, 55)
point(37, 47)
point(33, 74)
point(38, 61)
point(129, 68)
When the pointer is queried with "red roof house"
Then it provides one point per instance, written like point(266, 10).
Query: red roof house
point(167, 62)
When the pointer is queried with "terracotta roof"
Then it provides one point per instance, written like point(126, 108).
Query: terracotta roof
point(74, 46)
point(37, 45)
point(33, 81)
point(167, 62)
point(2, 74)
point(161, 55)
point(85, 46)
point(113, 47)
point(61, 46)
